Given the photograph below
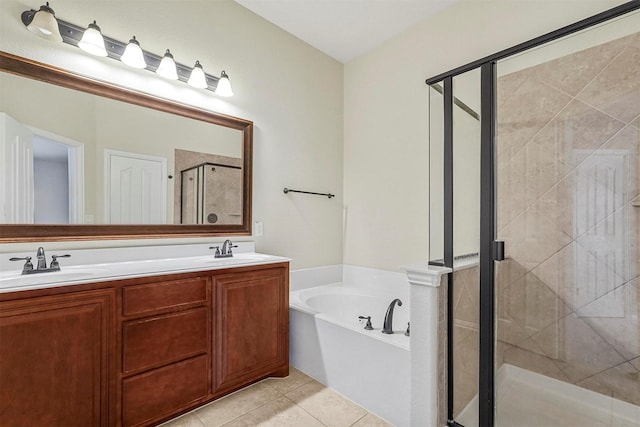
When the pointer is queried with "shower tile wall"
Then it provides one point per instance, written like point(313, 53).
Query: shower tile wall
point(228, 186)
point(568, 210)
point(466, 340)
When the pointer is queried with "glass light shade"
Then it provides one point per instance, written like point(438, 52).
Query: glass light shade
point(224, 85)
point(92, 41)
point(167, 67)
point(197, 77)
point(45, 25)
point(133, 55)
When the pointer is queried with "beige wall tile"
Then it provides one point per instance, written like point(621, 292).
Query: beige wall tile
point(533, 362)
point(465, 367)
point(531, 239)
point(576, 276)
point(562, 144)
point(616, 91)
point(518, 122)
point(614, 317)
point(532, 305)
point(622, 382)
point(571, 73)
point(576, 348)
point(466, 294)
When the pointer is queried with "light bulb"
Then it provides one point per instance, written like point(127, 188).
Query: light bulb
point(44, 24)
point(92, 41)
point(197, 77)
point(224, 85)
point(133, 55)
point(167, 67)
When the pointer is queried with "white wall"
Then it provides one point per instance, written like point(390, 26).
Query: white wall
point(386, 115)
point(291, 91)
point(51, 181)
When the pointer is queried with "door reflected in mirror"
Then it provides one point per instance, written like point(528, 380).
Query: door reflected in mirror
point(76, 158)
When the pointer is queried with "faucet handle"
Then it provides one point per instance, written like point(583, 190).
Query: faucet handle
point(27, 265)
point(217, 248)
point(368, 326)
point(54, 261)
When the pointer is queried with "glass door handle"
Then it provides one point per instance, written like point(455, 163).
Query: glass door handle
point(498, 250)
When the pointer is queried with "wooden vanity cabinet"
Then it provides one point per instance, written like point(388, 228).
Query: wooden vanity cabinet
point(251, 328)
point(166, 348)
point(137, 352)
point(57, 357)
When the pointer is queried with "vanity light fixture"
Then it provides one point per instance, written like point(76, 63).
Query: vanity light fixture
point(44, 23)
point(133, 55)
point(167, 67)
point(92, 41)
point(197, 77)
point(224, 85)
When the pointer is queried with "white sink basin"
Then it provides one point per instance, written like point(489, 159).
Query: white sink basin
point(16, 279)
point(241, 258)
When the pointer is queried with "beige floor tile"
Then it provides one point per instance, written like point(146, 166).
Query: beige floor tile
point(371, 420)
point(188, 420)
point(281, 412)
point(295, 379)
point(230, 407)
point(332, 409)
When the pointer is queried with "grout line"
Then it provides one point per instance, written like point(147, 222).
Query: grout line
point(358, 420)
point(307, 412)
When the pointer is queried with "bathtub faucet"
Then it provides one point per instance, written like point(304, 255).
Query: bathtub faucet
point(388, 318)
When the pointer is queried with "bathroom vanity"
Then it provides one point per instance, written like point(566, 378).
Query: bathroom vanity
point(135, 351)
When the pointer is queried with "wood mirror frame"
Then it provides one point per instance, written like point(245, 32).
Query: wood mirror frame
point(51, 232)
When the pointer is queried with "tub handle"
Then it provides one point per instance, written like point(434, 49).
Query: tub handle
point(368, 326)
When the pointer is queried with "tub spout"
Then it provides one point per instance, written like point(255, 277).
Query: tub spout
point(388, 318)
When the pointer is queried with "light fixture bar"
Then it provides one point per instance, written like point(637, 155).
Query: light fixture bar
point(71, 34)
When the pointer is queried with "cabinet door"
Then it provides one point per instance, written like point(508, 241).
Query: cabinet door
point(55, 355)
point(251, 326)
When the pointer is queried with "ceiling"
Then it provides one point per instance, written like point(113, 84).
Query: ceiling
point(345, 29)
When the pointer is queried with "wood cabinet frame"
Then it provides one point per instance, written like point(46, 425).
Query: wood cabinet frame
point(269, 280)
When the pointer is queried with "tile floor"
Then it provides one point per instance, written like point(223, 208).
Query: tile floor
point(295, 401)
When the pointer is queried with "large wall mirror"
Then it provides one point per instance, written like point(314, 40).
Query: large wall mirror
point(82, 159)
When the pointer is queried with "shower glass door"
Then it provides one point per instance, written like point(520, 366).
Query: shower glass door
point(465, 280)
point(568, 209)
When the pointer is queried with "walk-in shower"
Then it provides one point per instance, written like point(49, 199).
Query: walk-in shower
point(538, 149)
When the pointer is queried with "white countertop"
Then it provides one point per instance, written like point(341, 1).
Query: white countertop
point(115, 268)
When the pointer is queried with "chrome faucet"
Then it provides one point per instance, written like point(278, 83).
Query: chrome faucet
point(42, 259)
point(387, 327)
point(226, 251)
point(41, 263)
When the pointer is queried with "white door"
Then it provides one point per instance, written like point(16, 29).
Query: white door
point(135, 188)
point(16, 169)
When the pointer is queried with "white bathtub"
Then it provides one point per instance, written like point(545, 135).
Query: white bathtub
point(329, 343)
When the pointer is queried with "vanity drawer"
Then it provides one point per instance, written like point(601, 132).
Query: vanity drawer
point(156, 341)
point(155, 395)
point(157, 296)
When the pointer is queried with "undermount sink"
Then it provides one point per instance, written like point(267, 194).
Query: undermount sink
point(16, 279)
point(240, 258)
